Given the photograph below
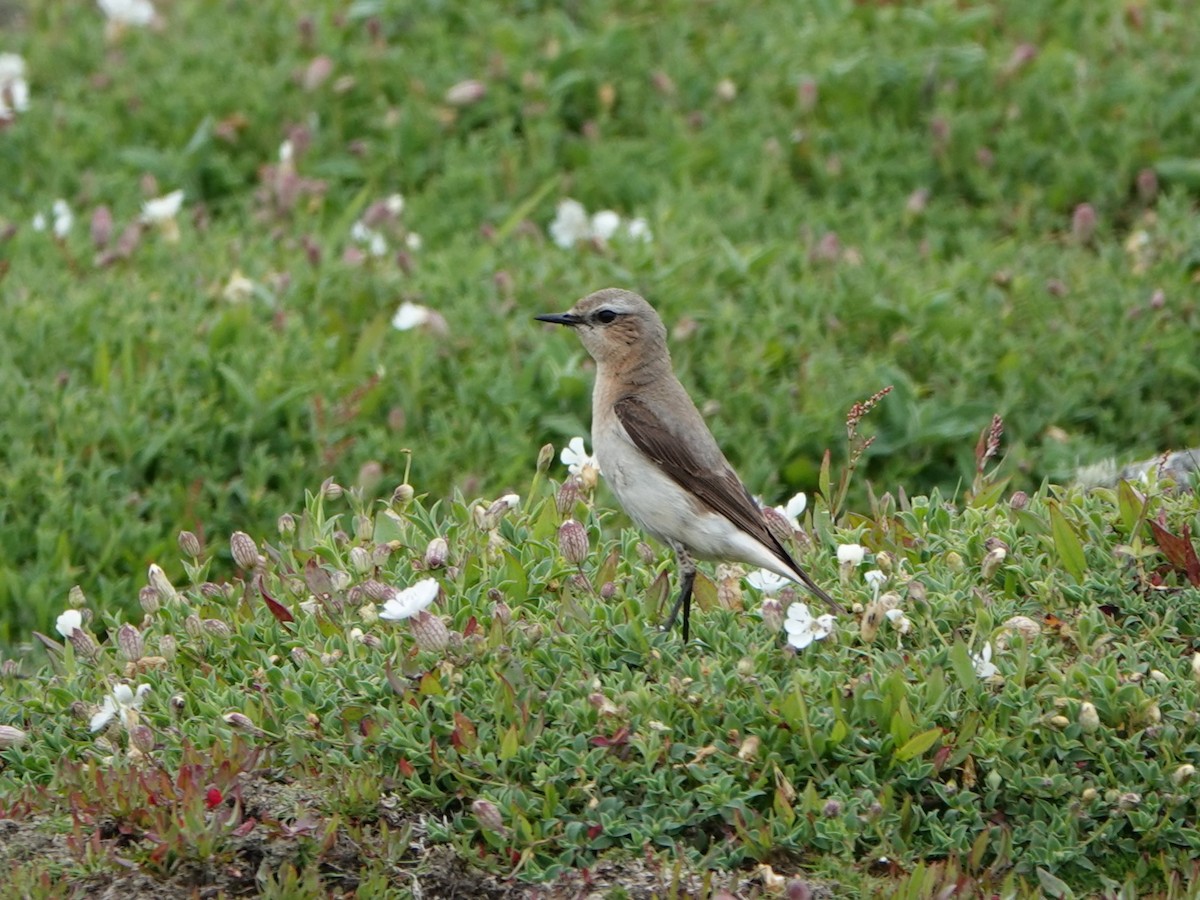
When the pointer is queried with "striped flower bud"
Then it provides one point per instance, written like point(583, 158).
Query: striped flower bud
point(84, 644)
point(573, 542)
point(568, 496)
point(778, 524)
point(141, 737)
point(75, 598)
point(772, 614)
point(360, 560)
point(403, 495)
point(129, 639)
point(488, 816)
point(286, 525)
point(331, 490)
point(429, 631)
point(190, 544)
point(1179, 776)
point(11, 736)
point(148, 599)
point(244, 550)
point(167, 647)
point(436, 553)
point(161, 584)
point(1019, 500)
point(240, 721)
point(218, 628)
point(544, 458)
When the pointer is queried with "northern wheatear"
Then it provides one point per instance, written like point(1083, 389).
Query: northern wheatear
point(657, 454)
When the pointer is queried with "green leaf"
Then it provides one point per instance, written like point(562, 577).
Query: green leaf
point(1053, 886)
point(918, 744)
point(1067, 543)
point(964, 669)
point(510, 743)
point(1132, 507)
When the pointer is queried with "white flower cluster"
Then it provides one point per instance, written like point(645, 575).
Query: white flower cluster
point(573, 225)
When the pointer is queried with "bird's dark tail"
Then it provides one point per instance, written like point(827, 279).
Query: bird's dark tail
point(807, 581)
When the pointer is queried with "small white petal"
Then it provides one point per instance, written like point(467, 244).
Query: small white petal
point(851, 554)
point(410, 315)
point(605, 224)
point(639, 230)
point(766, 581)
point(795, 507)
point(39, 222)
point(413, 241)
point(407, 603)
point(377, 245)
point(164, 208)
point(394, 204)
point(69, 622)
point(286, 151)
point(874, 578)
point(107, 712)
point(571, 224)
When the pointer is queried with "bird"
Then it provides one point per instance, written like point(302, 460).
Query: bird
point(658, 455)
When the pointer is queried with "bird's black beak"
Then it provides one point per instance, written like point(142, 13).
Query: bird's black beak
point(569, 319)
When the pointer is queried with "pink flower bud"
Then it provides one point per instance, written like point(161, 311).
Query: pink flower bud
point(102, 227)
point(11, 736)
point(1083, 223)
point(466, 93)
point(141, 737)
point(488, 816)
point(148, 598)
point(772, 614)
point(1147, 185)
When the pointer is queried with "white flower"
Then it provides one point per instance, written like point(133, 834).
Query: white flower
point(14, 89)
point(394, 204)
point(640, 231)
point(802, 629)
point(571, 224)
point(413, 241)
point(899, 620)
point(794, 509)
point(39, 222)
point(511, 501)
point(69, 622)
point(123, 703)
point(875, 579)
point(407, 603)
point(605, 224)
point(375, 242)
point(576, 458)
point(162, 209)
point(286, 151)
point(63, 219)
point(766, 581)
point(411, 315)
point(128, 12)
point(984, 667)
point(850, 554)
point(239, 289)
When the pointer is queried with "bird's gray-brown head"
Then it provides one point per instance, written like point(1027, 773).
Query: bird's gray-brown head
point(618, 328)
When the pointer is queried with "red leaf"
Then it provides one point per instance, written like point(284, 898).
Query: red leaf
point(594, 831)
point(1179, 551)
point(618, 738)
point(406, 768)
point(245, 828)
point(471, 627)
point(278, 610)
point(464, 737)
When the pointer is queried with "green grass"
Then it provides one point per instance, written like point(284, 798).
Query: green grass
point(136, 400)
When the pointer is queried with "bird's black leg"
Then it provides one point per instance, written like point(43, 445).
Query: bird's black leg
point(687, 576)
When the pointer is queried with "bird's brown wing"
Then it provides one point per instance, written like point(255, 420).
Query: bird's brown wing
point(719, 489)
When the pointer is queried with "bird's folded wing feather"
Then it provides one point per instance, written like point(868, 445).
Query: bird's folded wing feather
point(719, 489)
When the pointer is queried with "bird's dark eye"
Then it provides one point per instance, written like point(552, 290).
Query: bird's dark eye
point(606, 317)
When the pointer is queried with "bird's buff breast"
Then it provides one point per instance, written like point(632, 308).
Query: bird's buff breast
point(659, 506)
